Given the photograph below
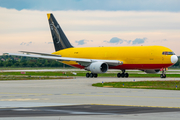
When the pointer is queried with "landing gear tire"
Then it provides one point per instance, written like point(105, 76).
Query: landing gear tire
point(95, 75)
point(163, 75)
point(87, 75)
point(119, 75)
point(126, 75)
point(91, 75)
point(123, 74)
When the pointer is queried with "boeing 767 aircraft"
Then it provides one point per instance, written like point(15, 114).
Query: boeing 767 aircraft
point(150, 59)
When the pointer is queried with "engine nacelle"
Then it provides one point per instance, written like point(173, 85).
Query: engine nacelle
point(97, 67)
point(151, 71)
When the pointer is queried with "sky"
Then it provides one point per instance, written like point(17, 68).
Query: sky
point(89, 23)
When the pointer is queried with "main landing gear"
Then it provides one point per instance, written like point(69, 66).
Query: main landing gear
point(163, 75)
point(123, 74)
point(91, 75)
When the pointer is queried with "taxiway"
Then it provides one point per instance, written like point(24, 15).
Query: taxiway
point(69, 92)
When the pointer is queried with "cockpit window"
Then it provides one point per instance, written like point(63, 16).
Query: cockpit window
point(168, 53)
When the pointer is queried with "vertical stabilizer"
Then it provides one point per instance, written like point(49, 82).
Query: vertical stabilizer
point(59, 38)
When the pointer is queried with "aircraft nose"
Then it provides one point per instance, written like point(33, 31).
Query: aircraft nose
point(174, 59)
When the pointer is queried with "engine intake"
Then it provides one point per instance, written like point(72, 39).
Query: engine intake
point(97, 67)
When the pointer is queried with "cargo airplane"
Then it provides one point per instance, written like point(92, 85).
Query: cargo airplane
point(150, 59)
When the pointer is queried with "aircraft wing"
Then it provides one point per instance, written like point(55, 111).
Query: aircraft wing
point(81, 61)
point(39, 53)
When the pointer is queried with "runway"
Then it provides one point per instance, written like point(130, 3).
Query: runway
point(23, 95)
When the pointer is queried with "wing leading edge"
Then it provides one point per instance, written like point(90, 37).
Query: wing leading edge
point(36, 53)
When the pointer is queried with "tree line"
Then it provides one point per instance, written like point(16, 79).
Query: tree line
point(16, 61)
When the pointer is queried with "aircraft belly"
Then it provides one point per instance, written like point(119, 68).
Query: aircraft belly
point(141, 66)
point(125, 66)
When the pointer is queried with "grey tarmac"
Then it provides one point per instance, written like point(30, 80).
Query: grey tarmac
point(70, 92)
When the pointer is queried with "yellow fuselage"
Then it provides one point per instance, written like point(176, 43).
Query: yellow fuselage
point(133, 57)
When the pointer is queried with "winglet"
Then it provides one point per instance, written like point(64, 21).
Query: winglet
point(49, 15)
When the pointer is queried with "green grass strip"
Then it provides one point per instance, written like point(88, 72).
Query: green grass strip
point(165, 85)
point(83, 73)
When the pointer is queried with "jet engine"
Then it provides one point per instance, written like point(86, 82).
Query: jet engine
point(151, 71)
point(97, 67)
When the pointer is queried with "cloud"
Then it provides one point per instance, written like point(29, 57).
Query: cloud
point(32, 25)
point(81, 42)
point(107, 5)
point(115, 40)
point(27, 44)
point(162, 40)
point(138, 41)
point(22, 43)
point(50, 43)
point(28, 21)
point(120, 41)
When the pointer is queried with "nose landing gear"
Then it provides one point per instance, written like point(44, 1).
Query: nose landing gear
point(163, 75)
